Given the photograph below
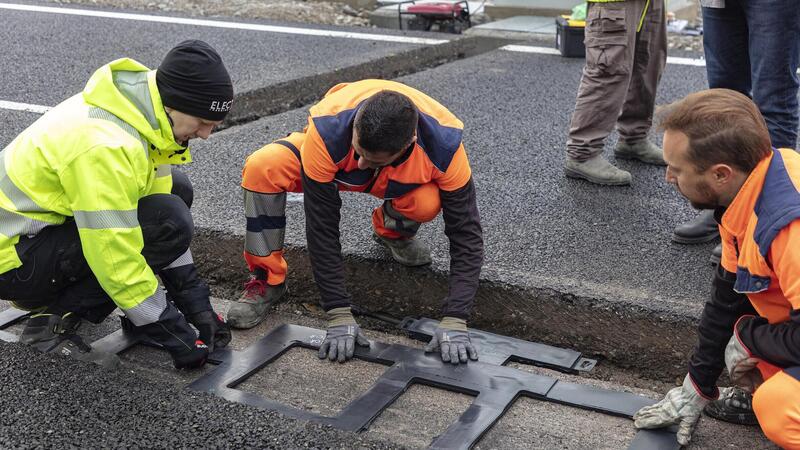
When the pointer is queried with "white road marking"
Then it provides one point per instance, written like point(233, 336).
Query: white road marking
point(530, 49)
point(14, 106)
point(222, 24)
point(551, 51)
point(697, 62)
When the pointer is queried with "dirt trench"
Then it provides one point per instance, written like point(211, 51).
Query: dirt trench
point(651, 346)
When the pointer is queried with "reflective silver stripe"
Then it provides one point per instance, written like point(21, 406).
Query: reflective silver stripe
point(395, 221)
point(22, 202)
point(99, 113)
point(269, 240)
point(164, 170)
point(257, 204)
point(13, 224)
point(99, 220)
point(150, 310)
point(133, 85)
point(265, 242)
point(184, 260)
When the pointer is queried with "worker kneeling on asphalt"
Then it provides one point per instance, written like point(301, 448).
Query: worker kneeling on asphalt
point(377, 137)
point(92, 211)
point(717, 148)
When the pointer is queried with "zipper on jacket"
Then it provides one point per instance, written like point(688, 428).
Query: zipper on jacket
point(374, 179)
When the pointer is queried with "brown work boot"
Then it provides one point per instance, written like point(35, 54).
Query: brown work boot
point(256, 300)
point(596, 170)
point(408, 252)
point(644, 151)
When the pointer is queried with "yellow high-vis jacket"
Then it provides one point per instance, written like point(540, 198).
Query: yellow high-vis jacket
point(92, 158)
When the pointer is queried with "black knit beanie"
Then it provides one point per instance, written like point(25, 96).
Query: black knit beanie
point(193, 80)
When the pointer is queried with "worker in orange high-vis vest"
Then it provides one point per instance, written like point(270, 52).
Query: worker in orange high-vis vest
point(717, 148)
point(381, 138)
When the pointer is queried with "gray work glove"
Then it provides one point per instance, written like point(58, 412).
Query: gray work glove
point(342, 336)
point(682, 406)
point(452, 339)
point(742, 365)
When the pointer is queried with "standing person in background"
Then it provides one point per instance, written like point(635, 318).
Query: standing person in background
point(626, 50)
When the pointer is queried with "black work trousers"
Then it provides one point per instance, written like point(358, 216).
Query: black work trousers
point(55, 275)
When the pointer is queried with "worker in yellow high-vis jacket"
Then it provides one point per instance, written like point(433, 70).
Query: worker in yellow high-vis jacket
point(626, 51)
point(91, 210)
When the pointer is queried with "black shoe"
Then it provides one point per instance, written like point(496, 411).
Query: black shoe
point(702, 229)
point(734, 405)
point(50, 333)
point(716, 255)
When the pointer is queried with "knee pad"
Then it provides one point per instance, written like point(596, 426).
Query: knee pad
point(167, 228)
point(182, 187)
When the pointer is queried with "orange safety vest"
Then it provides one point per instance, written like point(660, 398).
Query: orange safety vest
point(760, 234)
point(438, 155)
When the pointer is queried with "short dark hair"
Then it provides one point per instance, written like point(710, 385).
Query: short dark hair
point(386, 122)
point(723, 127)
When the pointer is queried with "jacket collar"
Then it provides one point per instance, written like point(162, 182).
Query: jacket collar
point(737, 215)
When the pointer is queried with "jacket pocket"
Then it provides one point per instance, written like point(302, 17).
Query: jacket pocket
point(605, 20)
point(606, 56)
point(606, 42)
point(747, 283)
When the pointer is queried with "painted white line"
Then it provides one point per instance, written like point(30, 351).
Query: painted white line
point(14, 106)
point(697, 62)
point(552, 51)
point(222, 24)
point(530, 49)
point(686, 61)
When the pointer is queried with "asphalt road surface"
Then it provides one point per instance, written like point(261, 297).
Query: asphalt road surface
point(543, 231)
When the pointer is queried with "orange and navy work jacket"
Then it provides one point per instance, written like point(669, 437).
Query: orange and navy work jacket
point(438, 155)
point(330, 164)
point(760, 233)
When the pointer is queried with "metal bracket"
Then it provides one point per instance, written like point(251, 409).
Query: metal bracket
point(499, 350)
